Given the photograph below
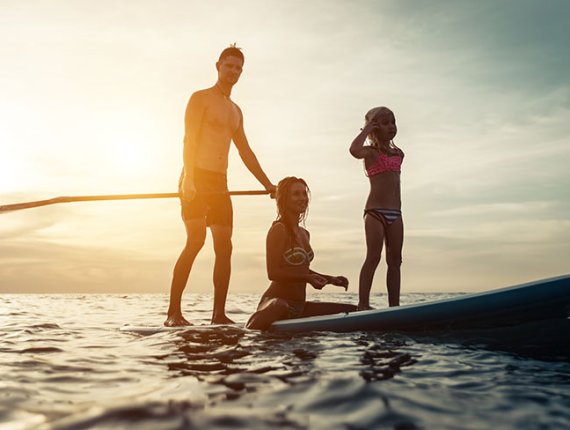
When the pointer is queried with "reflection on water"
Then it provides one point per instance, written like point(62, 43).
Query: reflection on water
point(65, 365)
point(383, 362)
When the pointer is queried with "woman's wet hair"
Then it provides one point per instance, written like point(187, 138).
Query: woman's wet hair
point(282, 194)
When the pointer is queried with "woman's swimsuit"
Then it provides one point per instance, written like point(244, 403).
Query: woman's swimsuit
point(297, 256)
point(294, 256)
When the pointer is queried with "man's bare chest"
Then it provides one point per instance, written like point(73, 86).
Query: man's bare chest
point(221, 118)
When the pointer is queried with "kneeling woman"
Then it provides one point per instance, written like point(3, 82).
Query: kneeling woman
point(288, 257)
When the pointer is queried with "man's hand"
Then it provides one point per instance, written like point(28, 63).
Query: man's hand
point(188, 189)
point(272, 190)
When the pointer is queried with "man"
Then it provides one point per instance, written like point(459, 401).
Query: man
point(212, 121)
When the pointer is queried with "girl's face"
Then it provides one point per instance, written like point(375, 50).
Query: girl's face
point(298, 199)
point(386, 128)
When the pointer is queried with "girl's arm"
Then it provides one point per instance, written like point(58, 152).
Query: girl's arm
point(357, 148)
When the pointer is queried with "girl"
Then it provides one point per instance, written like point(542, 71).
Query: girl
point(288, 257)
point(382, 214)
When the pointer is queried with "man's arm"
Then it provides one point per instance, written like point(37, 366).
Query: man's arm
point(192, 124)
point(249, 158)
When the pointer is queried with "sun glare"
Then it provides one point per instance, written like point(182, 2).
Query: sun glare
point(13, 176)
point(131, 160)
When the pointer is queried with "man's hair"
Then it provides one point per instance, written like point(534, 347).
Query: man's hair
point(232, 51)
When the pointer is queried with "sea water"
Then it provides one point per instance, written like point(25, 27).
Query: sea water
point(64, 364)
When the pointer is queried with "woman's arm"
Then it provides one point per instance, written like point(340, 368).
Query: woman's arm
point(339, 281)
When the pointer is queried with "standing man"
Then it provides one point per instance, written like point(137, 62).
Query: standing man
point(212, 121)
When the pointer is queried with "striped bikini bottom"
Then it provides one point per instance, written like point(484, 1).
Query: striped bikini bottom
point(385, 216)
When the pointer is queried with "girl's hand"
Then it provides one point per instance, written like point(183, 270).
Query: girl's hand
point(339, 281)
point(317, 281)
point(371, 126)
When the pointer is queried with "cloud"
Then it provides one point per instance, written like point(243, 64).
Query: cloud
point(480, 91)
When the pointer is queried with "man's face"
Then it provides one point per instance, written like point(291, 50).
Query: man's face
point(229, 69)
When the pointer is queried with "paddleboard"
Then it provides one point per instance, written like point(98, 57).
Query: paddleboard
point(533, 301)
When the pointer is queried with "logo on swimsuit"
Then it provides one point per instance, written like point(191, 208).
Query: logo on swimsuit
point(297, 256)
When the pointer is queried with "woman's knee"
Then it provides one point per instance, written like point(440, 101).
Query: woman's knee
point(279, 307)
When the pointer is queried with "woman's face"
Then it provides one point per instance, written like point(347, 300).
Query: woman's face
point(298, 199)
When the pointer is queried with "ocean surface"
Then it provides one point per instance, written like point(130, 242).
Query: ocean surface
point(64, 364)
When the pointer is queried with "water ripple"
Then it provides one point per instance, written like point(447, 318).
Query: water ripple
point(80, 372)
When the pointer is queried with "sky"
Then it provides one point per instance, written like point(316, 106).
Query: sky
point(93, 100)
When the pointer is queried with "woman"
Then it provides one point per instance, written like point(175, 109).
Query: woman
point(289, 255)
point(382, 214)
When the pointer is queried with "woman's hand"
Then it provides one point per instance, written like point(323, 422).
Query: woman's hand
point(317, 281)
point(339, 281)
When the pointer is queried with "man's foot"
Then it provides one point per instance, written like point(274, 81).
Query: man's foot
point(222, 319)
point(176, 321)
point(364, 308)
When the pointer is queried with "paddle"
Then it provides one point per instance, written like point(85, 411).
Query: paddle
point(35, 204)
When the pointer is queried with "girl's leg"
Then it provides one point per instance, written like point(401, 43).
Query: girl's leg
point(374, 232)
point(394, 244)
point(324, 308)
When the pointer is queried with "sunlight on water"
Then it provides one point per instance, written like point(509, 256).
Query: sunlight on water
point(66, 365)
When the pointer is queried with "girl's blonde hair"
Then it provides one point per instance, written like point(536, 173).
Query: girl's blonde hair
point(371, 115)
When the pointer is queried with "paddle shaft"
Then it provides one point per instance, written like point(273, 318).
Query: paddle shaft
point(55, 200)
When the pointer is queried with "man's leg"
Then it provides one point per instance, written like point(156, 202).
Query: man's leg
point(222, 236)
point(195, 237)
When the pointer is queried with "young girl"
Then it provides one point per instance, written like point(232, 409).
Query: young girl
point(382, 214)
point(288, 256)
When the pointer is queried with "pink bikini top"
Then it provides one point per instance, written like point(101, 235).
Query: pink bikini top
point(386, 163)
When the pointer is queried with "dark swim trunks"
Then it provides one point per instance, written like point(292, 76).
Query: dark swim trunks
point(212, 200)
